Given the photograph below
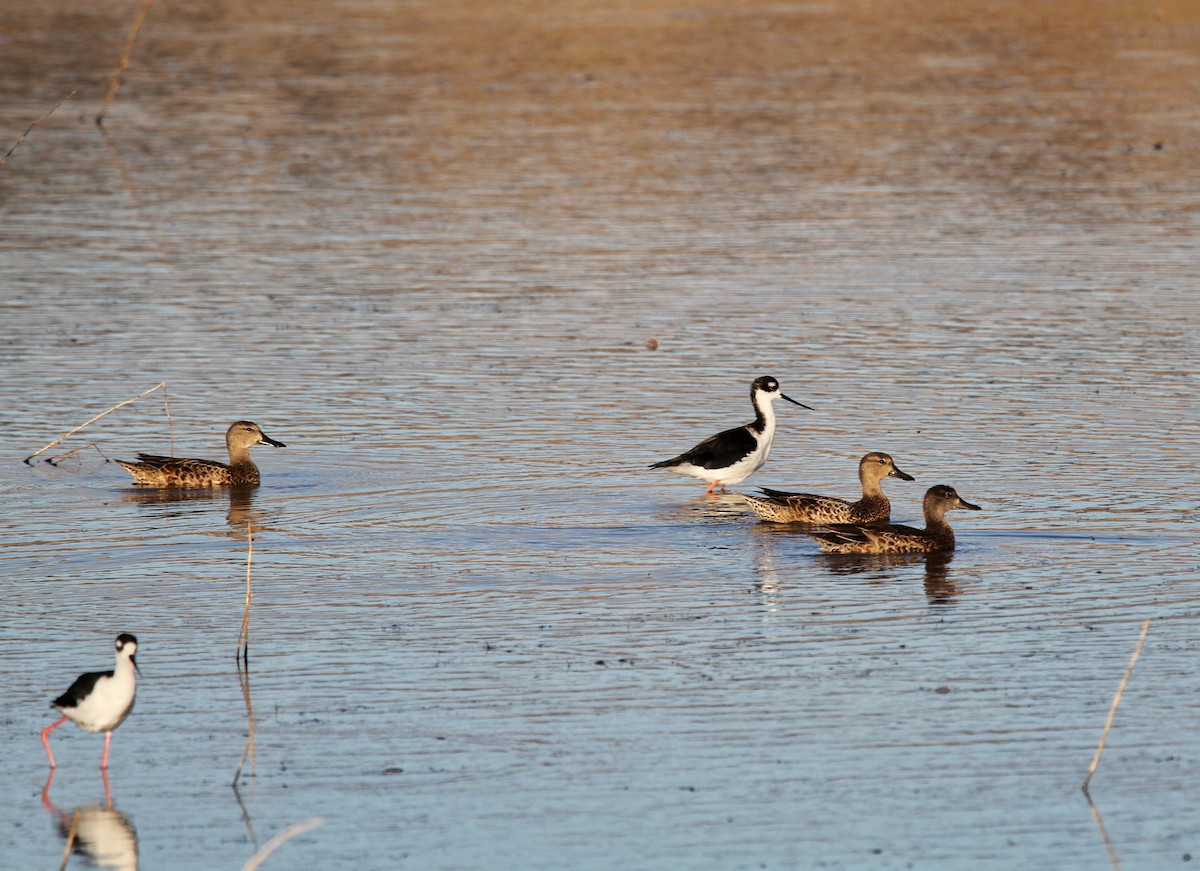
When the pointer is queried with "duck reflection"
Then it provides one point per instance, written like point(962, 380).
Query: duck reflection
point(100, 833)
point(241, 501)
point(941, 588)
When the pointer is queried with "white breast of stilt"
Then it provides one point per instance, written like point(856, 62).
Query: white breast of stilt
point(109, 702)
point(763, 429)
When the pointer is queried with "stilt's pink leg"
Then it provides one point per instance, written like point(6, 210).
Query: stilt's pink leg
point(107, 791)
point(46, 738)
point(46, 803)
point(708, 492)
point(104, 761)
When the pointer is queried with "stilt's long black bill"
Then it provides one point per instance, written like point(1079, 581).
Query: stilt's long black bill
point(794, 402)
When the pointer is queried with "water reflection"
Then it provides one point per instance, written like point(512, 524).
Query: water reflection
point(100, 833)
point(240, 515)
point(722, 505)
point(1113, 857)
point(940, 585)
point(243, 670)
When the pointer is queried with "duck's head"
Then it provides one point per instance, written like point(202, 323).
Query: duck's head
point(943, 498)
point(245, 433)
point(879, 465)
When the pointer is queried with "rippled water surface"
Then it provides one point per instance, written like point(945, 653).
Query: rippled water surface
point(478, 265)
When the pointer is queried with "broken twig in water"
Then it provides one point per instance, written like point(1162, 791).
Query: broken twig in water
point(115, 82)
point(70, 839)
point(73, 454)
point(243, 665)
point(29, 129)
point(1112, 711)
point(270, 846)
point(161, 385)
point(243, 648)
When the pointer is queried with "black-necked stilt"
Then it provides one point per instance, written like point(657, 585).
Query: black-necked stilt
point(733, 455)
point(99, 701)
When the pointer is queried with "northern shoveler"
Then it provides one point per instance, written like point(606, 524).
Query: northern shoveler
point(782, 507)
point(733, 455)
point(893, 538)
point(151, 470)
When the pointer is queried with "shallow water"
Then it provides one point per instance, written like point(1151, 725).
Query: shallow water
point(427, 246)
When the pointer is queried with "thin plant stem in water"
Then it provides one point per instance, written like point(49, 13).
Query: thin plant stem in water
point(70, 840)
point(272, 845)
point(29, 129)
point(115, 81)
point(73, 454)
point(161, 385)
point(1112, 710)
point(243, 648)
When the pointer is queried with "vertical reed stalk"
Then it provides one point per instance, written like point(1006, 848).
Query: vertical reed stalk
point(243, 648)
point(115, 81)
point(70, 841)
point(1112, 711)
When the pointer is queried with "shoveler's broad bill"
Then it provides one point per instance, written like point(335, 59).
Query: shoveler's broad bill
point(152, 470)
point(779, 506)
point(733, 455)
point(893, 538)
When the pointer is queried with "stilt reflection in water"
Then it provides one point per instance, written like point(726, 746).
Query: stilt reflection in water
point(100, 833)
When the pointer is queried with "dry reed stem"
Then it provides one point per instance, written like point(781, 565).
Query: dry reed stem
point(1112, 710)
point(170, 420)
point(115, 82)
point(29, 129)
point(242, 658)
point(70, 840)
point(270, 846)
point(162, 384)
point(243, 648)
point(74, 453)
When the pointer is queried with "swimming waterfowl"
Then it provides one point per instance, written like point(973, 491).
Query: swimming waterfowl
point(894, 538)
point(151, 470)
point(733, 455)
point(781, 507)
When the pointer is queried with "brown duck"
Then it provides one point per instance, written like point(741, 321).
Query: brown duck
point(150, 470)
point(894, 538)
point(778, 506)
